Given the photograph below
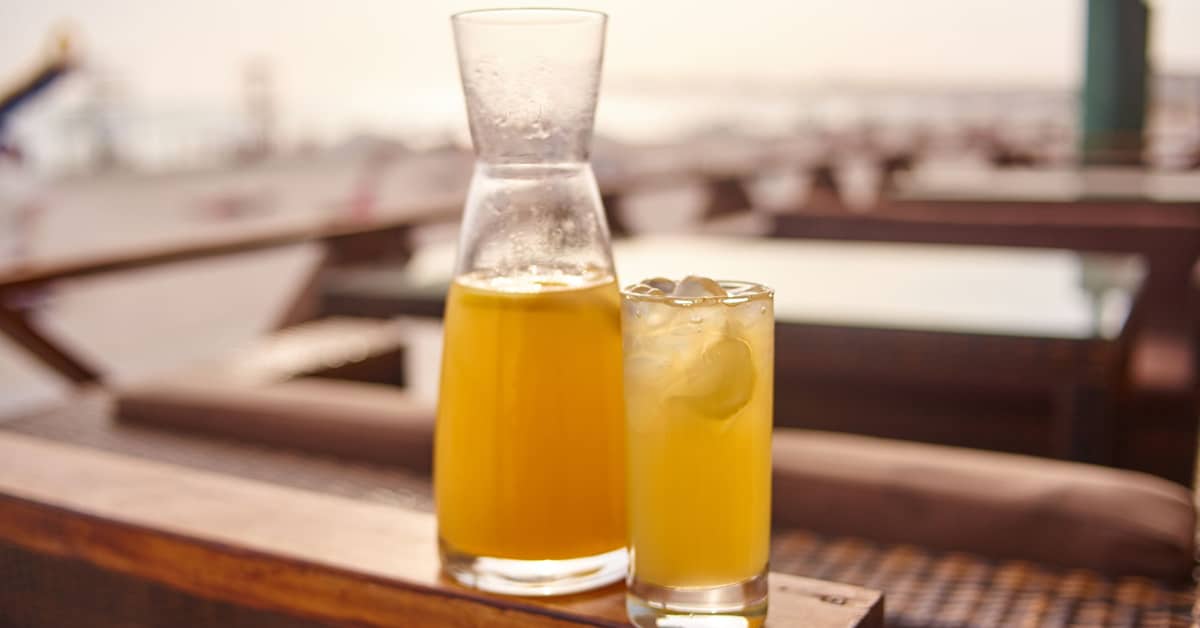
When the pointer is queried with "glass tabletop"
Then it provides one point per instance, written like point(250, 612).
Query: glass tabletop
point(945, 288)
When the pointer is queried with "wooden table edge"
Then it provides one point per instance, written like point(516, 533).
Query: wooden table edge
point(46, 510)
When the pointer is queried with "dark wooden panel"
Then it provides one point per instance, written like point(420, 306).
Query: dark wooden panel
point(41, 591)
point(1015, 423)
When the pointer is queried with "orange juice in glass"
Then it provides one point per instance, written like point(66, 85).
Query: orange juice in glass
point(530, 439)
point(699, 363)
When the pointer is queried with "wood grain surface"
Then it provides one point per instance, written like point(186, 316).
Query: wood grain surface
point(304, 554)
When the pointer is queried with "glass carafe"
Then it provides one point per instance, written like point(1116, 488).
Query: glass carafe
point(529, 456)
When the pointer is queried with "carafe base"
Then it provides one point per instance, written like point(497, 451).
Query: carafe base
point(533, 577)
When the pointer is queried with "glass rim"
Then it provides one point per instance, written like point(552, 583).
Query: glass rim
point(740, 291)
point(509, 16)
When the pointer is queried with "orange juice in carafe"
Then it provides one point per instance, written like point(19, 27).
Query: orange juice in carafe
point(530, 442)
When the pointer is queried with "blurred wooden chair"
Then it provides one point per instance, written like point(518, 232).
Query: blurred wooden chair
point(1153, 427)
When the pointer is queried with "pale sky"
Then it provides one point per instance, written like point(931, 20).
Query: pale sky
point(362, 61)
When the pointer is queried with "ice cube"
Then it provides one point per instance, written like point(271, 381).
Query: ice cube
point(694, 286)
point(746, 313)
point(643, 288)
point(659, 318)
point(661, 283)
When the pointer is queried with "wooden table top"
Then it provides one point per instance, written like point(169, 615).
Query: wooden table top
point(97, 224)
point(328, 558)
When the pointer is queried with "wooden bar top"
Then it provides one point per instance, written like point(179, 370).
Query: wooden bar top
point(309, 555)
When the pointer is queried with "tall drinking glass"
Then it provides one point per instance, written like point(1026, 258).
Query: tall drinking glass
point(529, 447)
point(699, 365)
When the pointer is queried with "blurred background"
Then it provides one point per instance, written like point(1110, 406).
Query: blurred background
point(180, 180)
point(177, 83)
point(179, 86)
point(130, 129)
point(981, 219)
point(1017, 181)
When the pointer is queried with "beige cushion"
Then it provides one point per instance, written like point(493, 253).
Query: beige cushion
point(998, 505)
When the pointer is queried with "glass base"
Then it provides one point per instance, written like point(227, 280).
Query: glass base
point(533, 577)
point(739, 605)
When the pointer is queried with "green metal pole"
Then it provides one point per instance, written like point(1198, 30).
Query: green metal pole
point(1114, 86)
